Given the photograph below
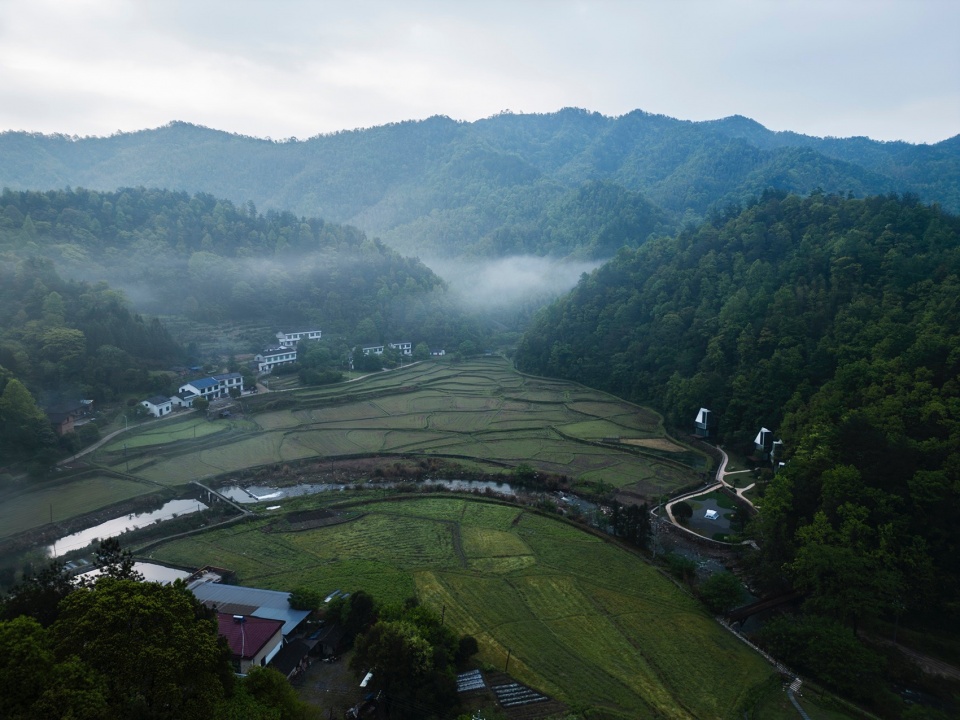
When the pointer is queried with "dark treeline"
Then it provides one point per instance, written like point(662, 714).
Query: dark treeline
point(834, 322)
point(505, 184)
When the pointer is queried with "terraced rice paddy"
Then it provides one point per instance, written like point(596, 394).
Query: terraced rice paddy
point(481, 409)
point(584, 621)
point(481, 414)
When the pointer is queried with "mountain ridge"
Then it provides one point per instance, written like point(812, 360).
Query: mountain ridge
point(443, 187)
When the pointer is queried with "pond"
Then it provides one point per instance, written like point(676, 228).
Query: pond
point(151, 573)
point(120, 525)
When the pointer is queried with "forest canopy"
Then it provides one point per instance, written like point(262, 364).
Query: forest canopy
point(832, 321)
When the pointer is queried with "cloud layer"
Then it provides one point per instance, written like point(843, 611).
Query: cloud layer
point(888, 69)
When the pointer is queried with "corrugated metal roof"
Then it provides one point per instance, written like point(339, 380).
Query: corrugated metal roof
point(267, 604)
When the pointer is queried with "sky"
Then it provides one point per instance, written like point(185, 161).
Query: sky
point(886, 69)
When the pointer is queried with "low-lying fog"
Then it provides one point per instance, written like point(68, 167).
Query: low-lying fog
point(499, 283)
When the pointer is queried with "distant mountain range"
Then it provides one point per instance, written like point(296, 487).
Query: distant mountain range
point(567, 183)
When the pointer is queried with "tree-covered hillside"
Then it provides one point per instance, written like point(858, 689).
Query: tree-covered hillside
point(213, 261)
point(499, 185)
point(64, 340)
point(835, 323)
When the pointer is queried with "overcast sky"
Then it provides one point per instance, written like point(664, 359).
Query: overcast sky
point(888, 69)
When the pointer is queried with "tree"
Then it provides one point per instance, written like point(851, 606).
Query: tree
point(402, 662)
point(305, 598)
point(36, 685)
point(466, 649)
point(721, 592)
point(23, 426)
point(273, 692)
point(421, 352)
point(38, 595)
point(155, 645)
point(201, 404)
point(113, 561)
point(682, 511)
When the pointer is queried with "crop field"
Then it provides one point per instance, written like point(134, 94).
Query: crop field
point(167, 432)
point(64, 500)
point(480, 409)
point(582, 619)
point(482, 414)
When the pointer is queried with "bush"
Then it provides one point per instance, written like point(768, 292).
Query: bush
point(721, 592)
point(682, 511)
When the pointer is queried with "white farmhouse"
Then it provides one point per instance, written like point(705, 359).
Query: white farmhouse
point(212, 387)
point(291, 339)
point(158, 405)
point(405, 348)
point(271, 357)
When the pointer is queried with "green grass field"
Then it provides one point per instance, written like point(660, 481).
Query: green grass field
point(583, 620)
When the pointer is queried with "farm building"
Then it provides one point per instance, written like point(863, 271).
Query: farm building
point(158, 405)
point(291, 339)
point(214, 386)
point(237, 600)
point(253, 641)
point(271, 357)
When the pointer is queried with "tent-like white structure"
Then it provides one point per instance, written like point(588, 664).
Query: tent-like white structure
point(711, 515)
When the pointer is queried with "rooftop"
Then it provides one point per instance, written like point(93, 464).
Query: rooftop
point(246, 635)
point(237, 600)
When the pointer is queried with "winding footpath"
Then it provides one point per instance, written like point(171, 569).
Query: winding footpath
point(721, 481)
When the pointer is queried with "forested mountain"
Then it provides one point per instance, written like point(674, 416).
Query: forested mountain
point(64, 340)
point(835, 323)
point(506, 184)
point(176, 254)
point(208, 259)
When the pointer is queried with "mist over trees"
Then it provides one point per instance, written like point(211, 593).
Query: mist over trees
point(212, 261)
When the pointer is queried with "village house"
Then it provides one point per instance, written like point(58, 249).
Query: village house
point(405, 348)
point(372, 349)
point(271, 357)
point(253, 641)
point(212, 387)
point(291, 339)
point(256, 605)
point(63, 416)
point(184, 399)
point(158, 405)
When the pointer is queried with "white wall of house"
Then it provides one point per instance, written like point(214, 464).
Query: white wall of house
point(268, 360)
point(158, 410)
point(291, 339)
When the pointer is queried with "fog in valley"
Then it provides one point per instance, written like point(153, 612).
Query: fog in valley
point(502, 284)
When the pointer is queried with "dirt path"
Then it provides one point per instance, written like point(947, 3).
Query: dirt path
point(107, 438)
point(722, 479)
point(929, 665)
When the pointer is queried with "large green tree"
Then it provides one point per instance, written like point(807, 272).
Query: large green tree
point(155, 646)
